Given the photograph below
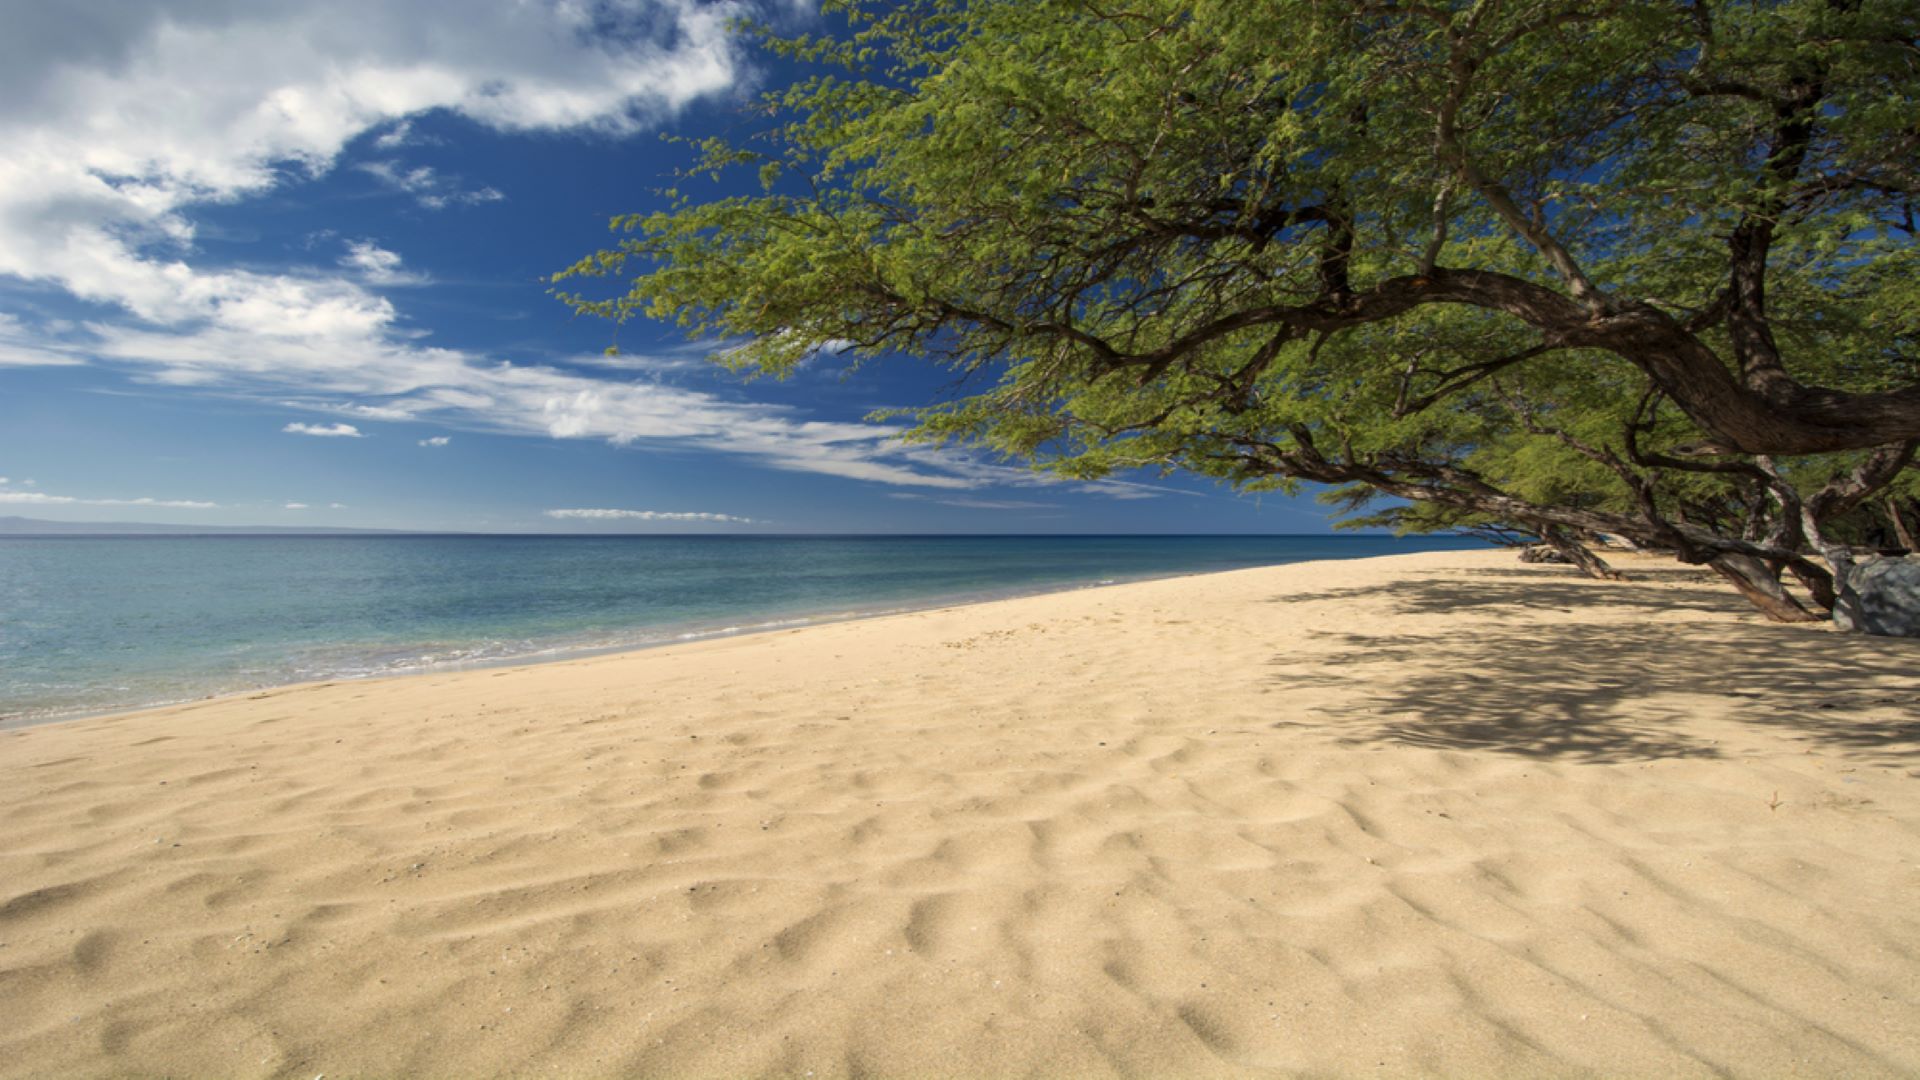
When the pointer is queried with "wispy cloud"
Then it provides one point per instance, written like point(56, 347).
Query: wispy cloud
point(353, 364)
point(975, 504)
point(41, 498)
point(399, 135)
point(24, 346)
point(431, 189)
point(296, 506)
point(392, 410)
point(649, 515)
point(378, 266)
point(437, 440)
point(692, 358)
point(324, 431)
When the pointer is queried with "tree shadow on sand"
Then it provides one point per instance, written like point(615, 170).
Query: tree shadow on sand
point(1607, 691)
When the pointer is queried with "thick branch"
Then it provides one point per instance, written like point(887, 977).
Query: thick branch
point(1790, 419)
point(1843, 493)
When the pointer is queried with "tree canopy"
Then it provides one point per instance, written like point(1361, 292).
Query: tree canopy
point(1637, 267)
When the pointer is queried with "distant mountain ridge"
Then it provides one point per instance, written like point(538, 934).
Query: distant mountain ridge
point(23, 526)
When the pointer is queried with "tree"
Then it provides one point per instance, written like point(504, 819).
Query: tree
point(1386, 243)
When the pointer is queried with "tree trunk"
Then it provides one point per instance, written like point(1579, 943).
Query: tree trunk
point(1820, 586)
point(1749, 575)
point(1900, 532)
point(1579, 554)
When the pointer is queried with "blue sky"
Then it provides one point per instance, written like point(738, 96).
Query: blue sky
point(286, 263)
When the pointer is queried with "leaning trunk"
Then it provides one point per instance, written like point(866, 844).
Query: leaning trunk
point(1576, 551)
point(1764, 591)
point(1819, 584)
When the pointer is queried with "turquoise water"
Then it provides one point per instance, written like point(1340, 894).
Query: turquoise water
point(98, 624)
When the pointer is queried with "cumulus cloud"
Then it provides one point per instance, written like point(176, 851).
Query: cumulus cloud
point(437, 440)
point(648, 515)
point(117, 129)
point(324, 431)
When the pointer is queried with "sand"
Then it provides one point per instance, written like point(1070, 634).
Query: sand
point(1434, 814)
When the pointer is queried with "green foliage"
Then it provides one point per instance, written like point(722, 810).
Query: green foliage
point(1180, 234)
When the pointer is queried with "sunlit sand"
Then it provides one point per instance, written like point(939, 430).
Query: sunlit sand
point(1429, 814)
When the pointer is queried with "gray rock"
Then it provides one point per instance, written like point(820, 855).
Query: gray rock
point(1881, 596)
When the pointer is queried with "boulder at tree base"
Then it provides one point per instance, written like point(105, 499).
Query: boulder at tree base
point(1882, 596)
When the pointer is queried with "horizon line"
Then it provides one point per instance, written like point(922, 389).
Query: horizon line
point(349, 533)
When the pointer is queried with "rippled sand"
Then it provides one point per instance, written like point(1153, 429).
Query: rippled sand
point(1430, 814)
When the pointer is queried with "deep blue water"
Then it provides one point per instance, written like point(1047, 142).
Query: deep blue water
point(96, 624)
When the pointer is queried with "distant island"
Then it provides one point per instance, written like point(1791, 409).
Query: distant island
point(23, 526)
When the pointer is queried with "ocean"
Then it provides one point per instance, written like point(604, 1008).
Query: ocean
point(99, 624)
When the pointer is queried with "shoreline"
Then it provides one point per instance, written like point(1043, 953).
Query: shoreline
point(1439, 813)
point(560, 654)
point(677, 634)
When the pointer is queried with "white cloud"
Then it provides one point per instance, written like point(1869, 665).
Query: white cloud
point(429, 188)
point(324, 431)
point(24, 346)
point(437, 440)
point(296, 506)
point(378, 266)
point(41, 498)
point(393, 410)
point(336, 506)
point(347, 370)
point(401, 134)
point(970, 503)
point(690, 359)
point(117, 129)
point(648, 515)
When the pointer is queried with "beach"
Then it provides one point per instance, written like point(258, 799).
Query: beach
point(1429, 814)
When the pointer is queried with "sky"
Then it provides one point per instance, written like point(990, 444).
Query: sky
point(288, 263)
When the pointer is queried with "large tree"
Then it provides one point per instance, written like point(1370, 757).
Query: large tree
point(1351, 241)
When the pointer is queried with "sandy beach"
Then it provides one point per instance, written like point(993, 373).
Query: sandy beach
point(1436, 814)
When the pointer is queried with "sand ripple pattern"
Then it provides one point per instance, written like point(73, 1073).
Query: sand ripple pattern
point(1429, 815)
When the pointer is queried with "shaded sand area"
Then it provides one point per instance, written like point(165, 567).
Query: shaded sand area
point(1428, 814)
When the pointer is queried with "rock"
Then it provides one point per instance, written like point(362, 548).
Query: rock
point(1881, 596)
point(1542, 553)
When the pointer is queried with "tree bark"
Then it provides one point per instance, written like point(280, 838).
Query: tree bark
point(1750, 576)
point(1820, 586)
point(1900, 532)
point(1773, 414)
point(1579, 554)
